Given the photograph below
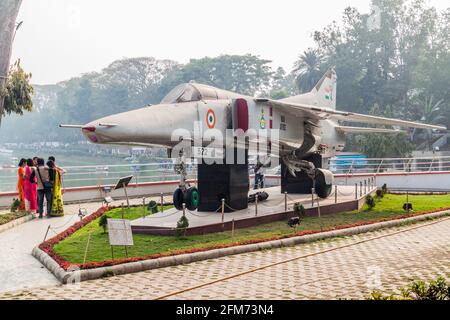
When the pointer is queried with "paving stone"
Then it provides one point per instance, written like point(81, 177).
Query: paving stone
point(352, 272)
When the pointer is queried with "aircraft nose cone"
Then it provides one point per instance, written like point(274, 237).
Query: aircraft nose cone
point(90, 132)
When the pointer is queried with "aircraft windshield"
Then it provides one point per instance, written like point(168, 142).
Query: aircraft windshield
point(182, 93)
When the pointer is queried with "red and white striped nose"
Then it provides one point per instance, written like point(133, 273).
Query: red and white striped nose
point(89, 132)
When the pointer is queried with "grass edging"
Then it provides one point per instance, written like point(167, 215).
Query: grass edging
point(16, 222)
point(132, 267)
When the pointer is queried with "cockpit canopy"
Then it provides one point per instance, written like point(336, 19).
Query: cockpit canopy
point(188, 92)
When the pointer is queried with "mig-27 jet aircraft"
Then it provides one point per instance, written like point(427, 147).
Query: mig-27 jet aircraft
point(310, 129)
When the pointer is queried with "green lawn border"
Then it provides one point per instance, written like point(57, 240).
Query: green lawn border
point(73, 273)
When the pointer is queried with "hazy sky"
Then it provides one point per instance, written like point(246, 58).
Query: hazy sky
point(63, 39)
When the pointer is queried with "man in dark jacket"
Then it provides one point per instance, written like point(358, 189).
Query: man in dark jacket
point(44, 187)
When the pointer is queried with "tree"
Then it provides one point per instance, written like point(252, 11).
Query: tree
point(8, 15)
point(17, 95)
point(383, 145)
point(247, 74)
point(308, 70)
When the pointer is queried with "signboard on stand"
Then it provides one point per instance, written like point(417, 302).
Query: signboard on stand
point(123, 184)
point(120, 234)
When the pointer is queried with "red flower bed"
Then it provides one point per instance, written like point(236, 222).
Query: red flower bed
point(48, 245)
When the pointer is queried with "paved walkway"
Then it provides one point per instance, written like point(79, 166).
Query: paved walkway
point(18, 268)
point(347, 268)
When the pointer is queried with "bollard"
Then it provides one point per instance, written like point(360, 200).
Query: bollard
point(162, 202)
point(223, 210)
point(318, 207)
point(407, 200)
point(356, 191)
point(335, 193)
point(285, 202)
point(232, 228)
point(143, 205)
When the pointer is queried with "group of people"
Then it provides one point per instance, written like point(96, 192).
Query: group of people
point(39, 181)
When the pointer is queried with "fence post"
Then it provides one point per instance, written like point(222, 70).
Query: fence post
point(256, 206)
point(312, 197)
point(360, 189)
point(232, 228)
point(335, 193)
point(365, 186)
point(143, 205)
point(285, 201)
point(162, 202)
point(356, 191)
point(223, 210)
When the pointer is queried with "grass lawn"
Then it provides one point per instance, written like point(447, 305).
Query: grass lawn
point(72, 249)
point(8, 217)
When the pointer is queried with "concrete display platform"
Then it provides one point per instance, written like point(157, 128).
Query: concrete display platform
point(273, 209)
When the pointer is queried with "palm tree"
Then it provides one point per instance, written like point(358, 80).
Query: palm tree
point(431, 113)
point(307, 69)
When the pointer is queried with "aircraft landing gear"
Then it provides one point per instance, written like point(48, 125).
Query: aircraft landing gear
point(301, 176)
point(189, 196)
point(184, 193)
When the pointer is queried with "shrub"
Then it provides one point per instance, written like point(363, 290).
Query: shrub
point(370, 202)
point(299, 210)
point(438, 289)
point(103, 222)
point(380, 194)
point(15, 205)
point(182, 225)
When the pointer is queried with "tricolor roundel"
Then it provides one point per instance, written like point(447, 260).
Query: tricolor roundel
point(210, 119)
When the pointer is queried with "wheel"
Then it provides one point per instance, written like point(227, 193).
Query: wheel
point(323, 190)
point(192, 198)
point(178, 199)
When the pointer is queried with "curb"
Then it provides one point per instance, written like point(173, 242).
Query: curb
point(15, 223)
point(91, 274)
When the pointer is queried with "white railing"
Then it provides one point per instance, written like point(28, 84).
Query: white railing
point(353, 166)
point(97, 175)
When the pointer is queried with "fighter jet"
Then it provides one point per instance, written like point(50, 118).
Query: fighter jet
point(310, 129)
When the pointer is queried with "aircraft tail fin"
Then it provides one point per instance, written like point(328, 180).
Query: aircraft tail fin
point(325, 90)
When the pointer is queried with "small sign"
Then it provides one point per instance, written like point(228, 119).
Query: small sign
point(207, 153)
point(123, 182)
point(119, 232)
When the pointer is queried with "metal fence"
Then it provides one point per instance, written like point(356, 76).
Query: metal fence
point(96, 175)
point(377, 166)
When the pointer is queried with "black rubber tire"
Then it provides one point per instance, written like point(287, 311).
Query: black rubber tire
point(178, 199)
point(323, 190)
point(192, 198)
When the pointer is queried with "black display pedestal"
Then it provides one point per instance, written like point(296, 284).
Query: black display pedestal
point(223, 181)
point(301, 183)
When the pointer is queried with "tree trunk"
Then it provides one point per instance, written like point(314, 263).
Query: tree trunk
point(8, 15)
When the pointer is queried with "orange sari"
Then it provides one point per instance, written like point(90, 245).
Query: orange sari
point(20, 185)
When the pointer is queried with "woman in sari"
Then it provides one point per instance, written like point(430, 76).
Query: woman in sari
point(30, 188)
point(20, 183)
point(57, 204)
